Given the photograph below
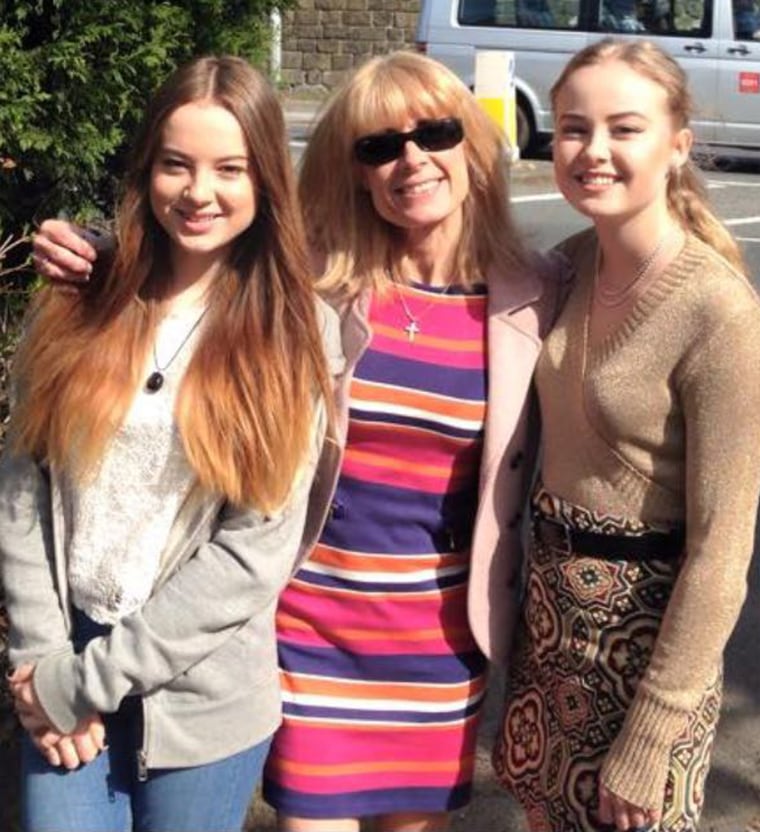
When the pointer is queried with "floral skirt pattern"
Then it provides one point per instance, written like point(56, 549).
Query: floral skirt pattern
point(566, 701)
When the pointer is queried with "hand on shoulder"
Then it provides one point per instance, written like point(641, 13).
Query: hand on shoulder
point(63, 251)
point(555, 267)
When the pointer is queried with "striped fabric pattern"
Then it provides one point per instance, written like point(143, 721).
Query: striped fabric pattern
point(382, 681)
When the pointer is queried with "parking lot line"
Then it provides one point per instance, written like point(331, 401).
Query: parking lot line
point(742, 221)
point(553, 197)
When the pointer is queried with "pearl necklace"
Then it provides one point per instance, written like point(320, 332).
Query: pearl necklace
point(611, 298)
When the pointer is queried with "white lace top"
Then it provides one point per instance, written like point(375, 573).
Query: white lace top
point(119, 520)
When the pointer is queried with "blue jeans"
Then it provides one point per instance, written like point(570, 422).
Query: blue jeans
point(107, 796)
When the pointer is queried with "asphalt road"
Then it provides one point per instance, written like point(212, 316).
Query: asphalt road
point(734, 193)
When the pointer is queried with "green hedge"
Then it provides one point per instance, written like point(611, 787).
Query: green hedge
point(76, 75)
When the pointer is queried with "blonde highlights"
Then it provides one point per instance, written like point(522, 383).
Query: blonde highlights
point(686, 195)
point(245, 409)
point(358, 246)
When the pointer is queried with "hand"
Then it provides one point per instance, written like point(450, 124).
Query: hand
point(616, 811)
point(28, 707)
point(81, 746)
point(60, 252)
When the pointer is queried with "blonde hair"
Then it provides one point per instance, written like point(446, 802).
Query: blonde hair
point(247, 401)
point(686, 195)
point(359, 246)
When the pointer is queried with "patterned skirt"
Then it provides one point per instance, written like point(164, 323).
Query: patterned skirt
point(566, 702)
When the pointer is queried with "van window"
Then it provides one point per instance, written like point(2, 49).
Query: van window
point(746, 19)
point(526, 14)
point(675, 18)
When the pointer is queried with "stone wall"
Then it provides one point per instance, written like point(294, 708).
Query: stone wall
point(321, 39)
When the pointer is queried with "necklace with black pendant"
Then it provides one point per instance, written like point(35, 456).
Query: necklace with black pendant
point(155, 380)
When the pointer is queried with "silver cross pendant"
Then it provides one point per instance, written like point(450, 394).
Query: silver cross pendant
point(411, 329)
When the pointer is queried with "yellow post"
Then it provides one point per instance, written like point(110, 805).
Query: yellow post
point(495, 91)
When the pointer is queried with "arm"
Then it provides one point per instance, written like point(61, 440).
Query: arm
point(721, 404)
point(71, 750)
point(228, 580)
point(37, 623)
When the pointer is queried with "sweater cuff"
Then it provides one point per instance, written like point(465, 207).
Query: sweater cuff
point(636, 766)
point(55, 684)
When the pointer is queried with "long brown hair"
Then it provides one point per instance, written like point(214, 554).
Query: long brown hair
point(686, 195)
point(246, 405)
point(342, 224)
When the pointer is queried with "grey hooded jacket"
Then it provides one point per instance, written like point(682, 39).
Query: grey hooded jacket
point(201, 652)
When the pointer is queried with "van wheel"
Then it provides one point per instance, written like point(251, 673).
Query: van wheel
point(526, 134)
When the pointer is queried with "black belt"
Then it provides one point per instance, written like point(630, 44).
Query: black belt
point(644, 546)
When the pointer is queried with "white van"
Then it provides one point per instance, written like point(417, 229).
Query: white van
point(716, 41)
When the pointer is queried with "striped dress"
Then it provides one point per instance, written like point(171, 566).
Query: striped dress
point(382, 680)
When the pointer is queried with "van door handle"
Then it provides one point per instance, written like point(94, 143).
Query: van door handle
point(695, 47)
point(738, 50)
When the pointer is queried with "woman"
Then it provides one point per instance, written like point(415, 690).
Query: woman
point(643, 522)
point(153, 500)
point(404, 189)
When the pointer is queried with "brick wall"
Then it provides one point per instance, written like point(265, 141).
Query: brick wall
point(321, 39)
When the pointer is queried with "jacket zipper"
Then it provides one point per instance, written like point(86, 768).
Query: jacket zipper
point(142, 765)
point(142, 753)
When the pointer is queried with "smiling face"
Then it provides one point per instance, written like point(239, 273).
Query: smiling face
point(422, 190)
point(202, 188)
point(615, 143)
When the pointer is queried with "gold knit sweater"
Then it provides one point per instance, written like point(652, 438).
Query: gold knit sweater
point(661, 422)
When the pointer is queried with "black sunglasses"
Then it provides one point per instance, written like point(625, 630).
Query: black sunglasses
point(434, 134)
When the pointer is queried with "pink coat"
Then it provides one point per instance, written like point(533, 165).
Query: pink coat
point(520, 309)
